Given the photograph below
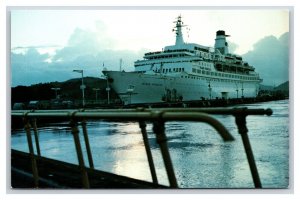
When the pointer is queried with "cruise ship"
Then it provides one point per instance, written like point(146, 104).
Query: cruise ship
point(186, 72)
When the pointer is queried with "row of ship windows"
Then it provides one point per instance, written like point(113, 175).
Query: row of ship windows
point(191, 60)
point(167, 56)
point(174, 70)
point(209, 79)
point(205, 64)
point(152, 64)
point(222, 75)
point(204, 55)
point(198, 53)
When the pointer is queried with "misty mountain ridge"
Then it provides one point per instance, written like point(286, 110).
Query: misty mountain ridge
point(283, 87)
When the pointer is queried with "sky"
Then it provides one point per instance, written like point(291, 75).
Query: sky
point(46, 45)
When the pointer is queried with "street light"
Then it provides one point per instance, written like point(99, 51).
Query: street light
point(107, 89)
point(96, 89)
point(242, 90)
point(107, 84)
point(237, 90)
point(209, 90)
point(56, 89)
point(82, 87)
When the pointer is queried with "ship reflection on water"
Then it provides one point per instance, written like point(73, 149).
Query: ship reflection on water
point(200, 157)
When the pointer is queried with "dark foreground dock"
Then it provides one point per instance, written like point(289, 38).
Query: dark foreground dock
point(62, 175)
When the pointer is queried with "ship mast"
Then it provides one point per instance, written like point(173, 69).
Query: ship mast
point(178, 31)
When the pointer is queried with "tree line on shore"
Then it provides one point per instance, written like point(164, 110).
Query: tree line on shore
point(95, 88)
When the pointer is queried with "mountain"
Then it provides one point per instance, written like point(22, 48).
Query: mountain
point(281, 91)
point(266, 87)
point(283, 87)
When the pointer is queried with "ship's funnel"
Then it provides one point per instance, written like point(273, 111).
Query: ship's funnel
point(220, 42)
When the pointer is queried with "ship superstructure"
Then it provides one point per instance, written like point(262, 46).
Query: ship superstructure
point(186, 72)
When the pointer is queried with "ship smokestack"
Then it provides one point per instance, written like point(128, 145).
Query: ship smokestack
point(221, 43)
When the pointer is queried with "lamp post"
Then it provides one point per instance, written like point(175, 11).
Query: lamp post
point(82, 87)
point(96, 90)
point(107, 84)
point(55, 89)
point(209, 89)
point(237, 90)
point(242, 90)
point(107, 89)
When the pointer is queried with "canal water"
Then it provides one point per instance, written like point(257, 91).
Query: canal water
point(200, 157)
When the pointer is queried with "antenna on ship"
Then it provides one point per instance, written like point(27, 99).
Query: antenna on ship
point(178, 31)
point(188, 32)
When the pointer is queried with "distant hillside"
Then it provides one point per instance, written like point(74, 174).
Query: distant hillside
point(69, 90)
point(280, 90)
point(283, 87)
point(266, 87)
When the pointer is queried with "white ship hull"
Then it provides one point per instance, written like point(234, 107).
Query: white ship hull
point(137, 88)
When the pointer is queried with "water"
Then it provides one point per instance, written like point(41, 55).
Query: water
point(200, 157)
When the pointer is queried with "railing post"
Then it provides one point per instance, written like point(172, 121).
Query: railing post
point(75, 133)
point(31, 153)
point(148, 151)
point(159, 130)
point(36, 137)
point(240, 120)
point(87, 144)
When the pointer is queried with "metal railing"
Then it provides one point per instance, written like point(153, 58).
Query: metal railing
point(157, 116)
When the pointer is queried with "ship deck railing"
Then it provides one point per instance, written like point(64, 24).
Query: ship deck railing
point(34, 169)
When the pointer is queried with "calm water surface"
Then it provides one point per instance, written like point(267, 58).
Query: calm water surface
point(200, 157)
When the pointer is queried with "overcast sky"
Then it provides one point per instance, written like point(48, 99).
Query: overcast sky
point(48, 42)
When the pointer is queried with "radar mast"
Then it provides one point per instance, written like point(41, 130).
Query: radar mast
point(178, 31)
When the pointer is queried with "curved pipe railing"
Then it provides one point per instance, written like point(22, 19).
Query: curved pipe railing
point(137, 115)
point(158, 117)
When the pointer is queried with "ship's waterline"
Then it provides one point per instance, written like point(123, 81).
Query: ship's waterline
point(200, 157)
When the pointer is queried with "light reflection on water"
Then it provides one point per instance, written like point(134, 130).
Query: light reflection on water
point(200, 157)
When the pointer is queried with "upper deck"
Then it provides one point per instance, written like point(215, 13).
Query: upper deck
point(190, 57)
